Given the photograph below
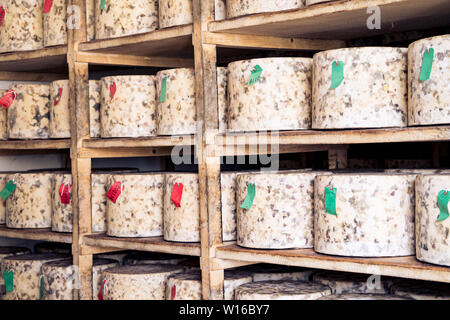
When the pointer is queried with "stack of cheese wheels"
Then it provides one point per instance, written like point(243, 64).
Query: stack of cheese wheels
point(22, 27)
point(364, 214)
point(55, 24)
point(3, 119)
point(3, 181)
point(268, 272)
point(153, 258)
point(53, 247)
point(281, 215)
point(95, 90)
point(138, 210)
point(100, 265)
point(24, 271)
point(176, 101)
point(220, 10)
point(429, 94)
point(222, 89)
point(421, 290)
point(281, 290)
point(29, 114)
point(121, 18)
point(360, 296)
point(236, 8)
point(128, 106)
point(59, 109)
point(30, 204)
point(182, 223)
point(175, 13)
point(90, 20)
point(432, 220)
point(117, 256)
point(280, 99)
point(58, 280)
point(367, 88)
point(343, 282)
point(7, 252)
point(62, 216)
point(138, 282)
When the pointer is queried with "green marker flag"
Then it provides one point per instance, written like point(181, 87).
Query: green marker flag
point(9, 280)
point(248, 202)
point(256, 74)
point(427, 64)
point(41, 288)
point(330, 201)
point(337, 74)
point(443, 200)
point(7, 190)
point(163, 95)
point(102, 4)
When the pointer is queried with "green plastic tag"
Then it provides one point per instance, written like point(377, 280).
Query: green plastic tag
point(9, 280)
point(248, 202)
point(330, 201)
point(162, 98)
point(102, 4)
point(443, 200)
point(41, 288)
point(7, 190)
point(337, 74)
point(256, 74)
point(427, 64)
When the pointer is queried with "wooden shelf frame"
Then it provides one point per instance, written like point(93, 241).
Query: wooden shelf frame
point(36, 60)
point(35, 234)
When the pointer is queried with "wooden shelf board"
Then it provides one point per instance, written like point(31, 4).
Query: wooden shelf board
point(35, 144)
point(36, 60)
point(403, 267)
point(340, 19)
point(154, 244)
point(35, 234)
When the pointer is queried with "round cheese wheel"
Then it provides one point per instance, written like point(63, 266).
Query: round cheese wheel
point(220, 10)
point(62, 216)
point(365, 296)
point(90, 20)
point(175, 13)
point(55, 24)
point(98, 201)
point(222, 91)
point(59, 279)
point(236, 8)
point(95, 89)
point(270, 272)
point(421, 290)
point(3, 181)
point(100, 265)
point(59, 109)
point(3, 119)
point(344, 282)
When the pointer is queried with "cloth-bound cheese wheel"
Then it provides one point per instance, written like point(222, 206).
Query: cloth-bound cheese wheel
point(281, 290)
point(24, 272)
point(421, 290)
point(269, 94)
point(137, 211)
point(30, 204)
point(128, 106)
point(100, 265)
point(236, 8)
point(175, 13)
point(3, 119)
point(53, 247)
point(428, 79)
point(55, 24)
point(367, 88)
point(181, 207)
point(125, 17)
point(62, 211)
point(138, 282)
point(367, 215)
point(361, 296)
point(153, 258)
point(95, 89)
point(29, 114)
point(269, 272)
point(58, 280)
point(22, 27)
point(59, 109)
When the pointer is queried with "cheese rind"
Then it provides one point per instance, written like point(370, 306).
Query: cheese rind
point(222, 94)
point(59, 113)
point(236, 8)
point(421, 290)
point(62, 214)
point(175, 13)
point(3, 119)
point(55, 24)
point(95, 90)
point(345, 283)
point(90, 20)
point(59, 280)
point(365, 296)
point(99, 266)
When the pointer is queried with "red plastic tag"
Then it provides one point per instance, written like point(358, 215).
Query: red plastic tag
point(174, 292)
point(115, 191)
point(58, 97)
point(47, 5)
point(177, 192)
point(100, 293)
point(64, 193)
point(2, 15)
point(8, 99)
point(112, 90)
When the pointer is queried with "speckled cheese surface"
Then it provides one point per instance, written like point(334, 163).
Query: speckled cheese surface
point(280, 100)
point(26, 269)
point(125, 17)
point(138, 211)
point(220, 10)
point(90, 20)
point(22, 27)
point(3, 119)
point(175, 13)
point(222, 89)
point(232, 280)
point(98, 201)
point(281, 216)
point(30, 205)
point(432, 236)
point(228, 199)
point(59, 280)
point(55, 24)
point(269, 272)
point(153, 258)
point(7, 252)
point(100, 265)
point(373, 93)
point(3, 181)
point(429, 100)
point(236, 8)
point(59, 109)
point(344, 282)
point(131, 111)
point(177, 113)
point(53, 247)
point(62, 216)
point(138, 282)
point(182, 223)
point(95, 89)
point(421, 290)
point(375, 215)
point(29, 114)
point(281, 290)
point(366, 296)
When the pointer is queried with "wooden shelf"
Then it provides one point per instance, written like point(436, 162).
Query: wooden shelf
point(11, 145)
point(154, 244)
point(340, 19)
point(35, 234)
point(403, 267)
point(37, 60)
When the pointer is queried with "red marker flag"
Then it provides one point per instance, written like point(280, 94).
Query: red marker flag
point(177, 193)
point(8, 99)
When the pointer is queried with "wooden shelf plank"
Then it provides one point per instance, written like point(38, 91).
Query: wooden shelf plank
point(154, 244)
point(35, 144)
point(403, 267)
point(340, 19)
point(36, 60)
point(35, 234)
